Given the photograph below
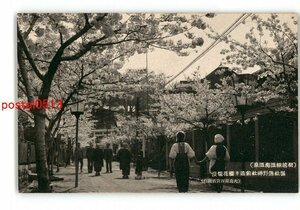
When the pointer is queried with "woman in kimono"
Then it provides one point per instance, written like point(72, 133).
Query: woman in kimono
point(139, 165)
point(180, 155)
point(98, 159)
point(124, 158)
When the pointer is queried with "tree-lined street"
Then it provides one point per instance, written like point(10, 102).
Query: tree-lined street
point(114, 183)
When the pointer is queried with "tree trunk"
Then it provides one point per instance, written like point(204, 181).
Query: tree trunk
point(206, 138)
point(40, 151)
point(49, 152)
point(206, 144)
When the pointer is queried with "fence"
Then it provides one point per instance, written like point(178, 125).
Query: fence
point(26, 153)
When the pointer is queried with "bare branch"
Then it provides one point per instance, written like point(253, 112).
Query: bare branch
point(87, 47)
point(86, 17)
point(27, 113)
point(38, 60)
point(28, 54)
point(22, 89)
point(61, 38)
point(24, 74)
point(277, 62)
point(35, 18)
point(56, 60)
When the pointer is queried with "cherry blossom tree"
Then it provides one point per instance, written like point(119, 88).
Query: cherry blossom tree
point(202, 108)
point(272, 47)
point(67, 51)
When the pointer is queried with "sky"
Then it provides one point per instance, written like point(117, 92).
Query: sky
point(163, 61)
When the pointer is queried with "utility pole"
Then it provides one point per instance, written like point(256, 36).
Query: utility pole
point(147, 104)
point(137, 110)
point(147, 83)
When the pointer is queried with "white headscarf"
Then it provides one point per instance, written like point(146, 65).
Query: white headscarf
point(178, 133)
point(219, 138)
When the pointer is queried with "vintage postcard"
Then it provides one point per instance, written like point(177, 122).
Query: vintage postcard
point(157, 102)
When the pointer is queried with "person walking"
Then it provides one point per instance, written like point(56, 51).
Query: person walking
point(124, 158)
point(139, 166)
point(108, 155)
point(68, 152)
point(80, 156)
point(98, 159)
point(217, 156)
point(180, 155)
point(89, 156)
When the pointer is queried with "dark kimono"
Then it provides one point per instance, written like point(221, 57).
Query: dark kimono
point(89, 156)
point(139, 164)
point(108, 155)
point(218, 155)
point(98, 159)
point(124, 158)
point(182, 169)
point(181, 153)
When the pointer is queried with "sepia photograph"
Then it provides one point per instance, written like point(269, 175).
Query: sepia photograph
point(156, 102)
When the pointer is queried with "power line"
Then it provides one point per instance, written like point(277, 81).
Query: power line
point(237, 22)
point(225, 33)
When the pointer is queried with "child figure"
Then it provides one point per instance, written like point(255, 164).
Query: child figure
point(139, 166)
point(217, 155)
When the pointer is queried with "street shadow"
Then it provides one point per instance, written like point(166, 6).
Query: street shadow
point(95, 175)
point(67, 190)
point(143, 178)
point(132, 178)
point(171, 188)
point(65, 174)
point(164, 178)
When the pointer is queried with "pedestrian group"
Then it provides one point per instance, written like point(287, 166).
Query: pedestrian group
point(181, 154)
point(95, 157)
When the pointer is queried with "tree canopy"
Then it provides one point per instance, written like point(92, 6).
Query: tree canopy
point(271, 46)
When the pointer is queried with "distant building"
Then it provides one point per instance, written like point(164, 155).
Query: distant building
point(214, 78)
point(104, 123)
point(184, 86)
